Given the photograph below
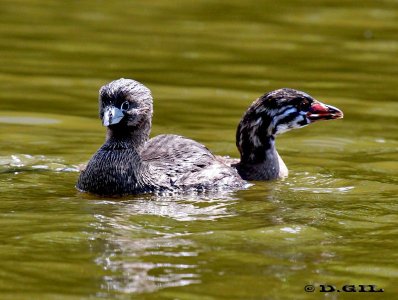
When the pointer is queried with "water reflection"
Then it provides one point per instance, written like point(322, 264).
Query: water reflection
point(334, 220)
point(135, 270)
point(147, 245)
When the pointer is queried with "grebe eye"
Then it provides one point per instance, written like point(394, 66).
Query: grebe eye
point(304, 104)
point(125, 105)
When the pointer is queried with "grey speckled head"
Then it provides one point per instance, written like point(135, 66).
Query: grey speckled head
point(275, 113)
point(125, 108)
point(128, 98)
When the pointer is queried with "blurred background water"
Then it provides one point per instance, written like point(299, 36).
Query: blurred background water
point(333, 221)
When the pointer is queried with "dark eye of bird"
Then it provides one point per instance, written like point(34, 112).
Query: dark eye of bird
point(125, 105)
point(304, 104)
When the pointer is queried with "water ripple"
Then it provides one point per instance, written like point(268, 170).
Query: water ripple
point(318, 184)
point(344, 189)
point(28, 120)
point(25, 163)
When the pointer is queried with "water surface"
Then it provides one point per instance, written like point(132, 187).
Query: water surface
point(332, 221)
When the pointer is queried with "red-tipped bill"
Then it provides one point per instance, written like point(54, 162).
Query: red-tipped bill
point(319, 111)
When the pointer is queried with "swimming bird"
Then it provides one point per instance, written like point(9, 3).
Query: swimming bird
point(270, 115)
point(131, 163)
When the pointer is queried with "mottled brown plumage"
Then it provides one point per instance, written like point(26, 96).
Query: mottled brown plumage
point(129, 163)
point(274, 113)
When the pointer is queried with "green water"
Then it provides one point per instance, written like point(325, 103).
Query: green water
point(333, 221)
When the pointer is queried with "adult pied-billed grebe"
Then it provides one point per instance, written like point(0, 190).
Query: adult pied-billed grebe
point(274, 113)
point(129, 163)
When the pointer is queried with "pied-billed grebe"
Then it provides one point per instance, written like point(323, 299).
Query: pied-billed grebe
point(274, 113)
point(128, 163)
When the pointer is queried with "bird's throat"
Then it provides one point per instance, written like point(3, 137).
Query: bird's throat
point(261, 162)
point(126, 138)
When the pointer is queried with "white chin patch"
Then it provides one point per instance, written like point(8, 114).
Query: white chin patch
point(282, 128)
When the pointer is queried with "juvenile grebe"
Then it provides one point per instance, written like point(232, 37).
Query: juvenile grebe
point(274, 113)
point(129, 163)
